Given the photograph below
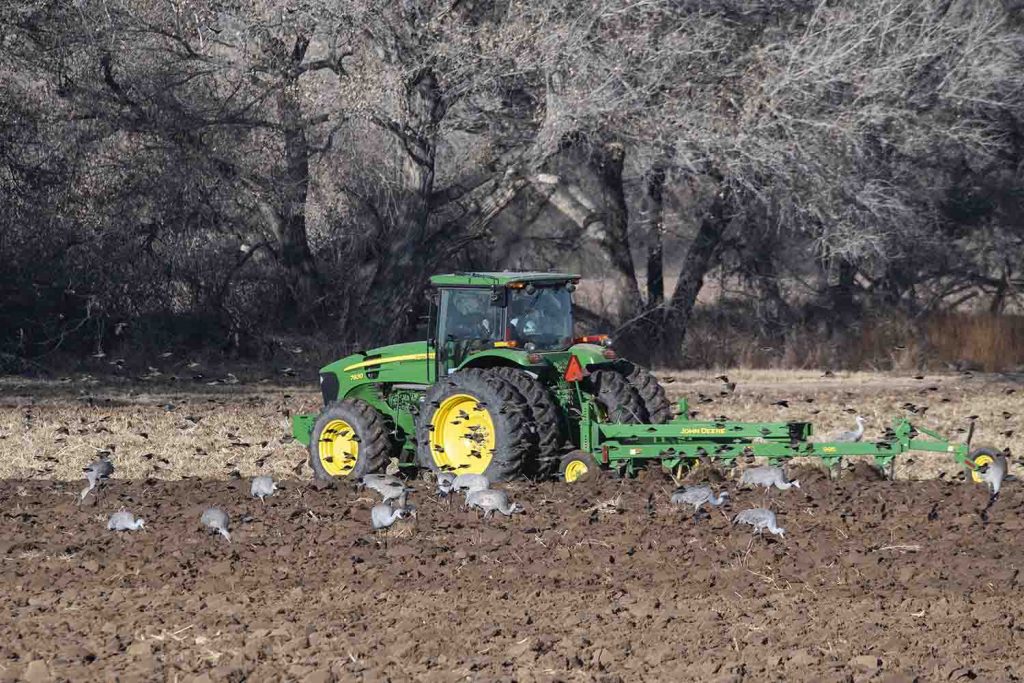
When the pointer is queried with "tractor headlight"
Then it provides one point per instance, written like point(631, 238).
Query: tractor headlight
point(530, 346)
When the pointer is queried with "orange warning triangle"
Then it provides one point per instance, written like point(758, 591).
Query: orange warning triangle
point(574, 373)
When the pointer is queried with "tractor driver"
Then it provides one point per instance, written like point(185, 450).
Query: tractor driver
point(537, 317)
point(468, 315)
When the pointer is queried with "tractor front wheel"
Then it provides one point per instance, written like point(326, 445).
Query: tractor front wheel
point(349, 439)
point(474, 422)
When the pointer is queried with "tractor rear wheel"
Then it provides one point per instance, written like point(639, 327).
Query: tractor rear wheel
point(474, 422)
point(544, 414)
point(656, 403)
point(349, 439)
point(616, 398)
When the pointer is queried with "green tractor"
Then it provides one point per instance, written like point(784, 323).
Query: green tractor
point(496, 390)
point(504, 388)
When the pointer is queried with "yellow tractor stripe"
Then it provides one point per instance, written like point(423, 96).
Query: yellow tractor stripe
point(392, 359)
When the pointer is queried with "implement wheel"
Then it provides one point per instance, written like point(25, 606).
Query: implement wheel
point(652, 394)
point(578, 467)
point(474, 422)
point(983, 455)
point(349, 439)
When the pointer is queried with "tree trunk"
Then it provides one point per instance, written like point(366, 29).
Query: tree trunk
point(295, 256)
point(655, 187)
point(612, 234)
point(699, 260)
point(840, 295)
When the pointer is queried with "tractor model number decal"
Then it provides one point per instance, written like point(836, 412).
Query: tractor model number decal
point(703, 430)
point(829, 449)
point(358, 376)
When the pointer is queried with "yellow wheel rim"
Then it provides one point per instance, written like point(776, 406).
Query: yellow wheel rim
point(462, 435)
point(338, 448)
point(574, 470)
point(978, 462)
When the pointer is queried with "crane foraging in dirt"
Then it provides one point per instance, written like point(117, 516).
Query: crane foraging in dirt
point(217, 521)
point(490, 501)
point(697, 496)
point(760, 519)
point(767, 477)
point(125, 521)
point(383, 516)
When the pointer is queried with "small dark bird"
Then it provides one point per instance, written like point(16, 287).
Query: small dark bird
point(828, 373)
point(782, 404)
point(972, 418)
point(723, 378)
point(918, 376)
point(1007, 415)
point(933, 514)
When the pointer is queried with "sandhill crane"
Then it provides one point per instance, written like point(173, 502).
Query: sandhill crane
point(382, 516)
point(471, 482)
point(125, 521)
point(97, 473)
point(490, 501)
point(767, 477)
point(697, 496)
point(217, 521)
point(852, 436)
point(760, 519)
point(262, 487)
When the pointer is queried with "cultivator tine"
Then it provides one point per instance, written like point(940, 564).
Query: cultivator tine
point(970, 435)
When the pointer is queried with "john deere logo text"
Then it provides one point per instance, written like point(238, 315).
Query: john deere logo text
point(703, 430)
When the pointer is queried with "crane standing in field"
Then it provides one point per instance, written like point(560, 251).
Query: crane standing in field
point(850, 437)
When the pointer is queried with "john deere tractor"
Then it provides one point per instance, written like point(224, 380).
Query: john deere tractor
point(504, 388)
point(495, 390)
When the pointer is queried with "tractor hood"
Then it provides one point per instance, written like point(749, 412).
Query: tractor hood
point(407, 363)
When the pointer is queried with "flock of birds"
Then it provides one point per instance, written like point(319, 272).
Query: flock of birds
point(479, 495)
point(394, 492)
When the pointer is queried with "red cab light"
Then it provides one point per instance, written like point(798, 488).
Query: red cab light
point(591, 339)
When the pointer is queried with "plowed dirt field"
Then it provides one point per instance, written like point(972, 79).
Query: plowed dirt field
point(874, 580)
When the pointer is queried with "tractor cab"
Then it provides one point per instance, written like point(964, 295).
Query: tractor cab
point(529, 312)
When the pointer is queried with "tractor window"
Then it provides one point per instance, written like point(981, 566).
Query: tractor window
point(543, 317)
point(468, 315)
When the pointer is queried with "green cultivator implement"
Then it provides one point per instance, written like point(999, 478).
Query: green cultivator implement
point(504, 388)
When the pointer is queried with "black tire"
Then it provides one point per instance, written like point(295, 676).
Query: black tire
point(976, 453)
point(656, 403)
point(375, 446)
point(621, 402)
point(569, 466)
point(544, 414)
point(515, 441)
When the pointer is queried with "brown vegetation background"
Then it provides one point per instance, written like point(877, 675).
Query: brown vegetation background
point(770, 184)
